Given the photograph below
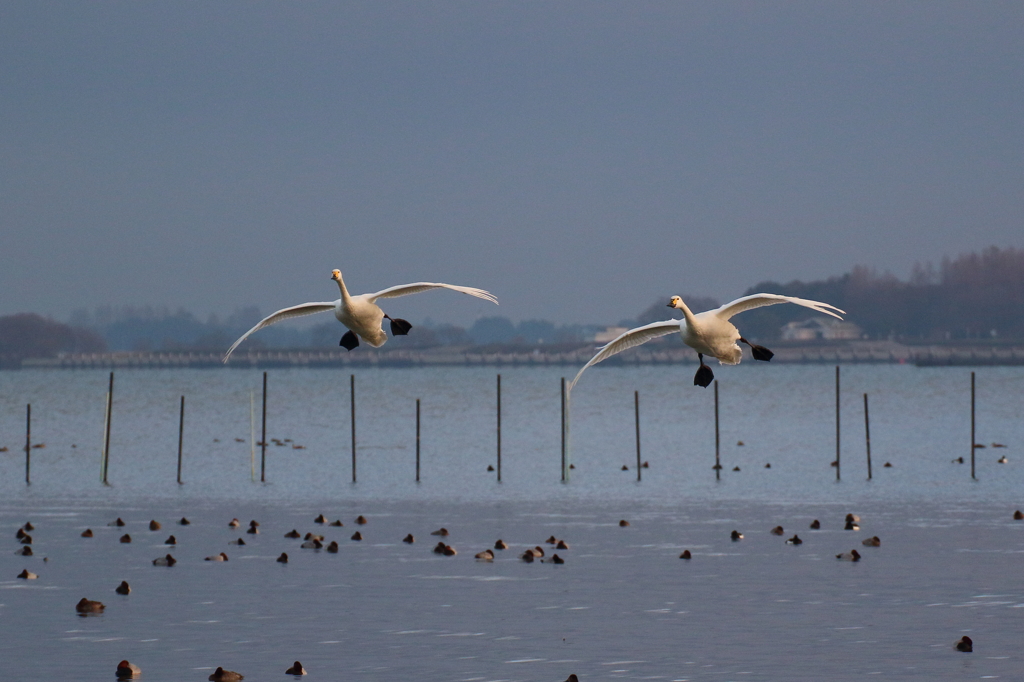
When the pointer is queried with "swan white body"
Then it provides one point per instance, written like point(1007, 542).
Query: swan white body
point(708, 333)
point(360, 313)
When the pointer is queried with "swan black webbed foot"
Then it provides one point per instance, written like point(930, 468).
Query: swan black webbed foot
point(704, 375)
point(399, 327)
point(349, 341)
point(759, 352)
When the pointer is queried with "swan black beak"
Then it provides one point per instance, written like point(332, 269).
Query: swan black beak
point(668, 305)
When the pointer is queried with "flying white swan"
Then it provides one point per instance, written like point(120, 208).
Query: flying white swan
point(708, 333)
point(360, 314)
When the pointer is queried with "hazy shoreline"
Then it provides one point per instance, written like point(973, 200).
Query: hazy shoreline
point(879, 352)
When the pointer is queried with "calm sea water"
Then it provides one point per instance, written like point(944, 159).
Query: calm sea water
point(622, 606)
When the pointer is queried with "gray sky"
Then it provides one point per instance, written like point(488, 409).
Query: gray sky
point(577, 159)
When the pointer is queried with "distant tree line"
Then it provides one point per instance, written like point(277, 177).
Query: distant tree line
point(974, 296)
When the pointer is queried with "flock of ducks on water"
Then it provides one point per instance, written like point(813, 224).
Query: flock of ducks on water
point(126, 670)
point(709, 333)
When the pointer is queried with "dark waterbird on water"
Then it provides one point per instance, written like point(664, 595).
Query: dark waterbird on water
point(709, 333)
point(360, 314)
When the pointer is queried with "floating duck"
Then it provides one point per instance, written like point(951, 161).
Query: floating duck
point(293, 534)
point(872, 542)
point(685, 555)
point(486, 555)
point(296, 669)
point(184, 522)
point(500, 544)
point(89, 606)
point(966, 644)
point(127, 671)
point(27, 575)
point(123, 588)
point(320, 519)
point(1002, 460)
point(852, 555)
point(442, 532)
point(283, 559)
point(623, 523)
point(1018, 515)
point(562, 544)
point(222, 675)
point(736, 536)
point(117, 522)
point(237, 541)
point(357, 536)
point(312, 544)
point(166, 560)
point(333, 547)
point(777, 530)
point(217, 557)
point(361, 520)
point(125, 539)
point(154, 525)
point(337, 523)
point(171, 541)
point(409, 539)
point(815, 524)
point(234, 523)
point(795, 540)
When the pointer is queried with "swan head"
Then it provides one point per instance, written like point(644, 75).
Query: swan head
point(675, 302)
point(335, 274)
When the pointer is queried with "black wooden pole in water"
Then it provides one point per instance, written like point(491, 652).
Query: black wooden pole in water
point(499, 428)
point(837, 422)
point(636, 412)
point(28, 444)
point(263, 438)
point(973, 448)
point(417, 440)
point(718, 462)
point(181, 434)
point(867, 433)
point(352, 400)
point(564, 476)
point(106, 433)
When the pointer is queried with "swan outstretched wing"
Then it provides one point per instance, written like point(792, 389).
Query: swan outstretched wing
point(630, 339)
point(419, 287)
point(284, 314)
point(759, 300)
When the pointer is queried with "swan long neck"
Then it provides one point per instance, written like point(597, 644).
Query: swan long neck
point(691, 321)
point(345, 296)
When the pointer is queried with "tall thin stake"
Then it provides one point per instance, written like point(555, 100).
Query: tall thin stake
point(28, 444)
point(499, 428)
point(837, 422)
point(263, 437)
point(565, 474)
point(106, 432)
point(352, 398)
point(718, 441)
point(867, 433)
point(417, 440)
point(103, 447)
point(973, 448)
point(636, 412)
point(181, 435)
point(252, 436)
